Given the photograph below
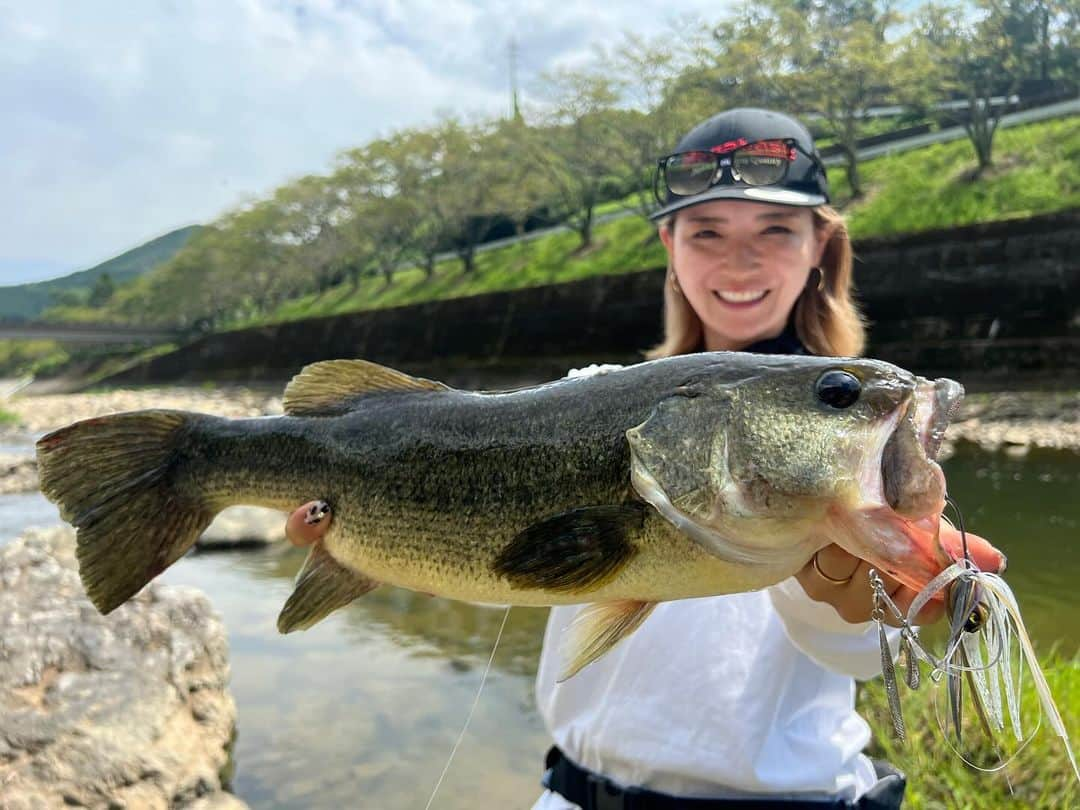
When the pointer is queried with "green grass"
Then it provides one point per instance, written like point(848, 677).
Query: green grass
point(1037, 170)
point(7, 418)
point(622, 246)
point(1040, 774)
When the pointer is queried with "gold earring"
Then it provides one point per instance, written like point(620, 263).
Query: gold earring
point(820, 278)
point(674, 282)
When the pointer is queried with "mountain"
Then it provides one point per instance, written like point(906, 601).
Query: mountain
point(27, 301)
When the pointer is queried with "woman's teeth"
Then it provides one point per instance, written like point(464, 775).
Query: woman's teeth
point(745, 297)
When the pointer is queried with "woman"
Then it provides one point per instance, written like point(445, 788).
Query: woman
point(749, 697)
point(721, 701)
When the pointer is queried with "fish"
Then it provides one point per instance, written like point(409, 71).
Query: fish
point(689, 476)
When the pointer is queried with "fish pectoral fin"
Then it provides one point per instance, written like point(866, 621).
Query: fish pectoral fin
point(598, 628)
point(572, 552)
point(331, 387)
point(322, 586)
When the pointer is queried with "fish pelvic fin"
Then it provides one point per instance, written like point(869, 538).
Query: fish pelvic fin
point(322, 586)
point(572, 552)
point(119, 481)
point(598, 628)
point(331, 387)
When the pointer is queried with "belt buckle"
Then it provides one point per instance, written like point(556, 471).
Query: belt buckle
point(603, 794)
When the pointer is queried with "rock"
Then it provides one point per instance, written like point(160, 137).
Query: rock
point(126, 710)
point(243, 526)
point(18, 474)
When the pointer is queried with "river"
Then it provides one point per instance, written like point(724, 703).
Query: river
point(363, 710)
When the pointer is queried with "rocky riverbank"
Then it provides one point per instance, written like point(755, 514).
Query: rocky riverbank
point(126, 710)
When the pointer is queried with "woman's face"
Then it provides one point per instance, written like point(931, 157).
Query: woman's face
point(742, 266)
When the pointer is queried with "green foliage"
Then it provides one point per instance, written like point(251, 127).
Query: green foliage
point(8, 419)
point(1038, 172)
point(102, 291)
point(18, 357)
point(1040, 775)
point(1041, 173)
point(31, 300)
point(339, 241)
point(622, 246)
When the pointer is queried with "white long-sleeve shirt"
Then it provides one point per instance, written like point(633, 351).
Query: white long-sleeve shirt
point(719, 697)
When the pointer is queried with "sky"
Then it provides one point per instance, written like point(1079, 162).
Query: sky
point(125, 120)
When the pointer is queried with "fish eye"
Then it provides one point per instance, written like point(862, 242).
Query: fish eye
point(838, 389)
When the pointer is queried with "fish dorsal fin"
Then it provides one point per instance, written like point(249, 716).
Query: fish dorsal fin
point(331, 388)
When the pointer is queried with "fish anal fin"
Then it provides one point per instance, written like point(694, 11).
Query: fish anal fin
point(331, 387)
point(598, 628)
point(572, 552)
point(323, 586)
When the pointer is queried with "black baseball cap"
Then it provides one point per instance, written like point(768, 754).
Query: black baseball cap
point(804, 183)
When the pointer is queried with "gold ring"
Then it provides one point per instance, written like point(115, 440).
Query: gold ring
point(826, 577)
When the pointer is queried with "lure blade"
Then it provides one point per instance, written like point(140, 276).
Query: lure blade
point(888, 672)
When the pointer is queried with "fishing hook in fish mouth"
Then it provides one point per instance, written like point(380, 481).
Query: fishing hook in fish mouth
point(978, 614)
point(960, 527)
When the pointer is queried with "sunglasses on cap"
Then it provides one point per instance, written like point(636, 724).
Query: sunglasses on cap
point(755, 163)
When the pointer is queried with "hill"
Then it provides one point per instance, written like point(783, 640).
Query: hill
point(27, 301)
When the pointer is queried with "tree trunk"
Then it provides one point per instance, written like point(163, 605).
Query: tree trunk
point(851, 159)
point(467, 255)
point(429, 265)
point(584, 228)
point(980, 130)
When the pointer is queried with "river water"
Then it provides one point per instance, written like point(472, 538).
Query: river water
point(363, 709)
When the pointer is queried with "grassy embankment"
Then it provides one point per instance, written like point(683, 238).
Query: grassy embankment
point(937, 778)
point(1037, 171)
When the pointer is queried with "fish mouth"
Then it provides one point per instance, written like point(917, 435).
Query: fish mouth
point(903, 533)
point(912, 482)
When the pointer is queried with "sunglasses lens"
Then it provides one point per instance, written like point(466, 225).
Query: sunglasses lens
point(762, 163)
point(689, 172)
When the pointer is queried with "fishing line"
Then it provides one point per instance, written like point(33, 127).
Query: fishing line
point(468, 717)
point(960, 527)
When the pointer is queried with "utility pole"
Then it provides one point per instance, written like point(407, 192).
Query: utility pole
point(515, 110)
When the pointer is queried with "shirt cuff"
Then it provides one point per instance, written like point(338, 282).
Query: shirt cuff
point(819, 632)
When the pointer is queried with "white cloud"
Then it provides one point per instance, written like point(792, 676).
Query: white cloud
point(125, 120)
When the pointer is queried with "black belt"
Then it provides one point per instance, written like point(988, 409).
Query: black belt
point(591, 791)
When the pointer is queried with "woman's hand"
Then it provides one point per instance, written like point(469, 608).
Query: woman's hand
point(309, 523)
point(843, 581)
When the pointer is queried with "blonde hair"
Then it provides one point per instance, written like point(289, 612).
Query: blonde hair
point(827, 317)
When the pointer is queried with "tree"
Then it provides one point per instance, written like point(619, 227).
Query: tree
point(583, 149)
point(980, 57)
point(834, 58)
point(663, 92)
point(102, 291)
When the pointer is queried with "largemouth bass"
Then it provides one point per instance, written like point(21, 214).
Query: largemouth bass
point(690, 476)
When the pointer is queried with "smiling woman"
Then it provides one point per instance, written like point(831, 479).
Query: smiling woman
point(742, 265)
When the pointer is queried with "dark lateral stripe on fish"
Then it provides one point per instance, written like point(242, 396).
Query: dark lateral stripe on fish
point(113, 479)
point(575, 551)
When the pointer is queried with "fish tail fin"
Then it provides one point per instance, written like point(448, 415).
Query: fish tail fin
point(121, 481)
